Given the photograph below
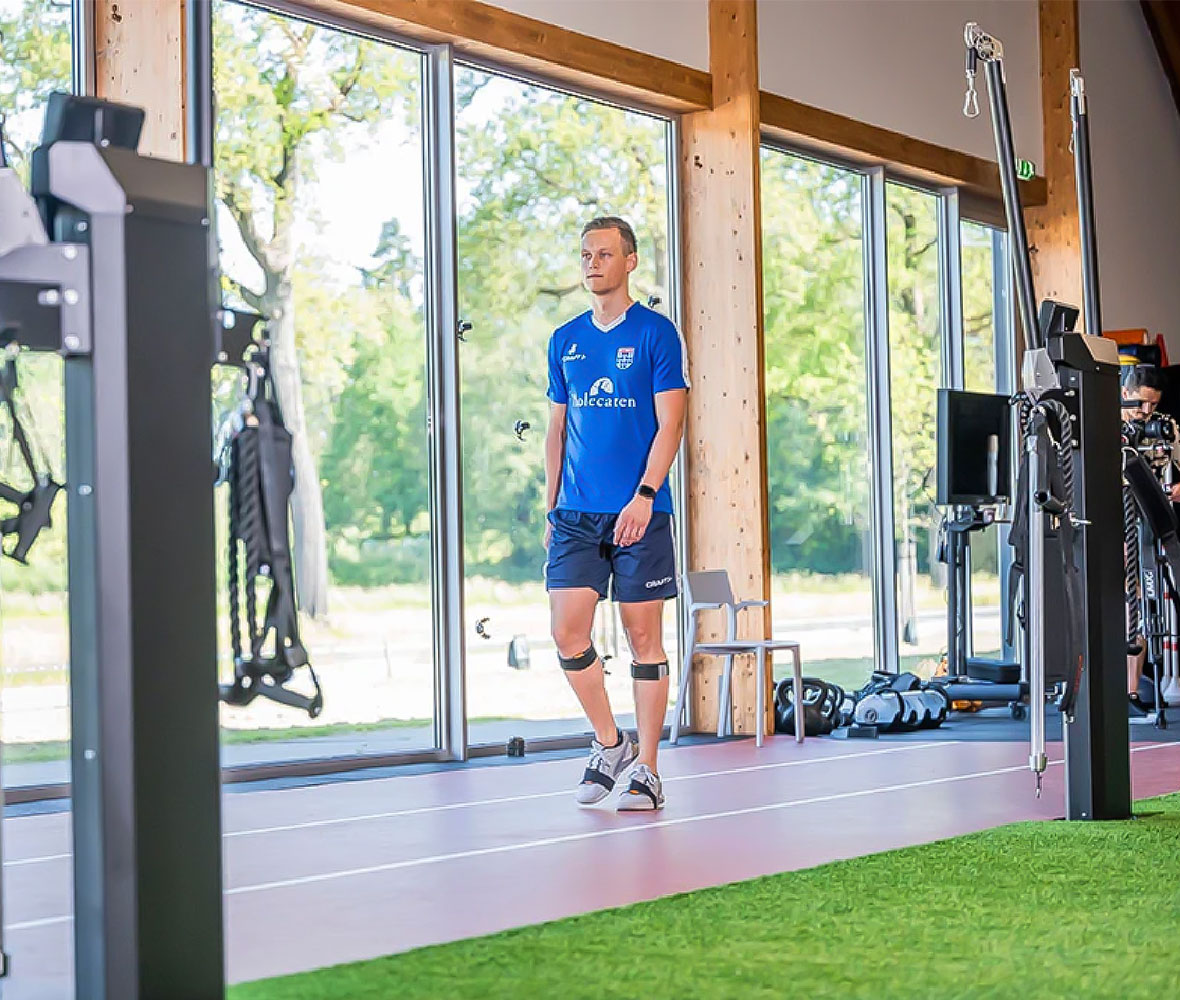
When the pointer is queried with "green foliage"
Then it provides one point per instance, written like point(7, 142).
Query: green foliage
point(35, 60)
point(813, 293)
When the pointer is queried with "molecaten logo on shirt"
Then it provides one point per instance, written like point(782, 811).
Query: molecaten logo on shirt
point(602, 394)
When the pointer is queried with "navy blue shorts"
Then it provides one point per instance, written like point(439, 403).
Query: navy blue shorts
point(582, 554)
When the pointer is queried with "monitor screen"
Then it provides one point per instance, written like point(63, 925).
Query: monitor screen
point(974, 448)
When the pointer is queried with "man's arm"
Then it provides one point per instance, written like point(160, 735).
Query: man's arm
point(554, 453)
point(635, 517)
point(670, 409)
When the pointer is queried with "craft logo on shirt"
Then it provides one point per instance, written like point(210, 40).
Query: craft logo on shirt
point(625, 358)
point(573, 355)
point(602, 395)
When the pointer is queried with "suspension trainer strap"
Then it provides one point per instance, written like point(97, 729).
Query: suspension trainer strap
point(261, 481)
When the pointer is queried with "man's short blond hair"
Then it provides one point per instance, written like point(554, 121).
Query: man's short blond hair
point(613, 222)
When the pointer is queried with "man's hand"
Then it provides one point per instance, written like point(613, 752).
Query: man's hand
point(1174, 492)
point(548, 533)
point(633, 521)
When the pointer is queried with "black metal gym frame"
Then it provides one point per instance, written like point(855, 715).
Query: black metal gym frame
point(123, 297)
point(1079, 373)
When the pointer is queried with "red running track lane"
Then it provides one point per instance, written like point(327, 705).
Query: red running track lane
point(338, 872)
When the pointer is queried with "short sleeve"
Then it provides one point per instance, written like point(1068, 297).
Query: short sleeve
point(557, 389)
point(669, 364)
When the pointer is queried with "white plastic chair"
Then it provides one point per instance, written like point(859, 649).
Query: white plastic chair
point(709, 590)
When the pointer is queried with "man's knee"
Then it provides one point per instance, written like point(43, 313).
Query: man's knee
point(646, 642)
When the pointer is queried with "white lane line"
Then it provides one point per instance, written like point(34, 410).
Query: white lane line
point(638, 828)
point(531, 796)
point(29, 925)
point(36, 861)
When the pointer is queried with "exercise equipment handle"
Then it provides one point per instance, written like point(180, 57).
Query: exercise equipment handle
point(1035, 606)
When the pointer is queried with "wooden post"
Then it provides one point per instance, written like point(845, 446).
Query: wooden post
point(139, 57)
point(1053, 228)
point(722, 233)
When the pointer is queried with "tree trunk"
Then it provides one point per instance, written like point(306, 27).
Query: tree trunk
point(307, 502)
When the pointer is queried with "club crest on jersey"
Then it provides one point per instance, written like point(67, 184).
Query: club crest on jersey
point(625, 358)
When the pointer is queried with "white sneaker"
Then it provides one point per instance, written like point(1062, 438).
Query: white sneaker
point(646, 791)
point(605, 767)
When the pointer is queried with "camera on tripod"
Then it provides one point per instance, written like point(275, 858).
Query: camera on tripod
point(1150, 433)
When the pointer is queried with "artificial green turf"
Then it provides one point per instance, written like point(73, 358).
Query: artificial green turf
point(1032, 910)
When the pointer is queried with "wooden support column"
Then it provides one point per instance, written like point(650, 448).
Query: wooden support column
point(139, 59)
point(1053, 228)
point(722, 233)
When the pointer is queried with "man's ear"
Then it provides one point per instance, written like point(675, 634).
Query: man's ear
point(632, 262)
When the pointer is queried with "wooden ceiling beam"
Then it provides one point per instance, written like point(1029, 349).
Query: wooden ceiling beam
point(827, 132)
point(485, 32)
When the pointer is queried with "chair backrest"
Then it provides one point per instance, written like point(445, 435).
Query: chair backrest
point(709, 586)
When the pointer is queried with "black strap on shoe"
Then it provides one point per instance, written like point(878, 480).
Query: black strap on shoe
point(34, 505)
point(256, 463)
point(639, 787)
point(594, 776)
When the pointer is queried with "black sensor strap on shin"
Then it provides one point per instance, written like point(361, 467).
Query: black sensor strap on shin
point(579, 662)
point(649, 671)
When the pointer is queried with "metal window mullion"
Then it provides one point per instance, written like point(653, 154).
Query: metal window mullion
point(876, 285)
point(82, 38)
point(950, 290)
point(446, 456)
point(1003, 311)
point(953, 347)
point(676, 310)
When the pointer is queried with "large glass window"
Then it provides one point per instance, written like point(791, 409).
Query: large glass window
point(915, 372)
point(533, 166)
point(35, 60)
point(319, 172)
point(816, 412)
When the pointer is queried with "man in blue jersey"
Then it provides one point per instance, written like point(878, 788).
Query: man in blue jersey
point(618, 385)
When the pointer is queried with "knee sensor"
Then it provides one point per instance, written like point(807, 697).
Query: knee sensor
point(649, 671)
point(579, 662)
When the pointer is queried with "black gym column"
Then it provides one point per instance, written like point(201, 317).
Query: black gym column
point(1097, 751)
point(146, 775)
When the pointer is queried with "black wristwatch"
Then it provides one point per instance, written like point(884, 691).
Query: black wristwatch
point(645, 491)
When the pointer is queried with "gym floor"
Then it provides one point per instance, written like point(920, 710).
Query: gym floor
point(339, 871)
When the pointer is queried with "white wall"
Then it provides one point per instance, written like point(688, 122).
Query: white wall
point(1135, 140)
point(899, 64)
point(671, 29)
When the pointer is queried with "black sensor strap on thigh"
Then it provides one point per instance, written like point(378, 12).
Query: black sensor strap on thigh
point(579, 662)
point(649, 671)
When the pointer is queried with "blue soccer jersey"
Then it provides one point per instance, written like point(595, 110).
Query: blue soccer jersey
point(608, 380)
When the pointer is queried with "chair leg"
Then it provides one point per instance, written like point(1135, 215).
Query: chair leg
point(723, 711)
point(760, 700)
point(682, 694)
point(797, 687)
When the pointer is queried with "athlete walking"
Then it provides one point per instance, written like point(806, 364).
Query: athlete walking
point(618, 385)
